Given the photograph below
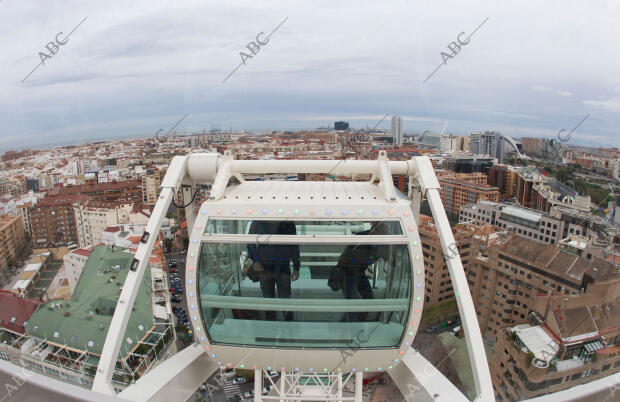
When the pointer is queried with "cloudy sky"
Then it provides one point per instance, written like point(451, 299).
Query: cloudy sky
point(134, 67)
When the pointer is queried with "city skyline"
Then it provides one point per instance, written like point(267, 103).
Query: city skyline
point(128, 76)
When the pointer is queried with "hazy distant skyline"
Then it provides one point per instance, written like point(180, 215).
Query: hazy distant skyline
point(132, 68)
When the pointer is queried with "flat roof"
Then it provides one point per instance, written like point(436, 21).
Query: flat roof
point(21, 284)
point(82, 323)
point(33, 267)
point(522, 213)
point(539, 342)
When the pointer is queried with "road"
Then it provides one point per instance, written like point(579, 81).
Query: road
point(180, 259)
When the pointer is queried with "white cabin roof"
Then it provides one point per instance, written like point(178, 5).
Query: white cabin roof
point(308, 192)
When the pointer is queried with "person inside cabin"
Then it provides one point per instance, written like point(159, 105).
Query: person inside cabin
point(353, 263)
point(272, 262)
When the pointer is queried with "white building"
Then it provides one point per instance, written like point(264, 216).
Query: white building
point(397, 130)
point(74, 263)
point(93, 216)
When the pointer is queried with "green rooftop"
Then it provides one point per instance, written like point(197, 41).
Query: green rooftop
point(83, 322)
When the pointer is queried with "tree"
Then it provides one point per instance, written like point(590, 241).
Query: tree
point(530, 357)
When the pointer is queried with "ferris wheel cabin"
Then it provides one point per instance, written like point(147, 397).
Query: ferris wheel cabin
point(339, 268)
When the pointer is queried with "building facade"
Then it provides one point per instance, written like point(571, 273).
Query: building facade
point(438, 284)
point(456, 192)
point(151, 184)
point(93, 216)
point(505, 279)
point(12, 241)
point(397, 130)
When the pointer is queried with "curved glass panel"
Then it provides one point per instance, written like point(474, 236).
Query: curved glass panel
point(317, 228)
point(304, 294)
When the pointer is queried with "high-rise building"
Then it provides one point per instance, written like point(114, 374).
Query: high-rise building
point(530, 145)
point(341, 126)
point(493, 144)
point(397, 130)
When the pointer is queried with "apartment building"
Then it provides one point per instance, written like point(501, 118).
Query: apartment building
point(151, 182)
point(568, 340)
point(93, 216)
point(74, 263)
point(506, 278)
point(12, 241)
point(11, 187)
point(128, 191)
point(535, 225)
point(546, 196)
point(438, 283)
point(456, 192)
point(52, 220)
point(503, 177)
point(526, 181)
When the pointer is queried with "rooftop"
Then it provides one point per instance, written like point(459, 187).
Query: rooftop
point(537, 341)
point(559, 262)
point(306, 192)
point(83, 322)
point(522, 213)
point(15, 310)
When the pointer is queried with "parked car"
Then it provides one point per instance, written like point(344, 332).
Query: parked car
point(172, 271)
point(248, 394)
point(455, 331)
point(178, 291)
point(266, 390)
point(272, 373)
point(431, 330)
point(239, 380)
point(176, 299)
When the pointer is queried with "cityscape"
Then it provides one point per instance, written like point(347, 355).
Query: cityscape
point(537, 235)
point(343, 201)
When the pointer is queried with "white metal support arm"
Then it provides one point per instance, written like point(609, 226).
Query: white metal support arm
point(425, 177)
point(109, 355)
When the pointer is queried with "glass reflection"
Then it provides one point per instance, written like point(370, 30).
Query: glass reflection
point(333, 291)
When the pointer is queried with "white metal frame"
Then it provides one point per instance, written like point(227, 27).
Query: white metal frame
point(213, 168)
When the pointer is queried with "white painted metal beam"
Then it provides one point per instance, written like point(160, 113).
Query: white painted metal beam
point(176, 379)
point(475, 347)
point(115, 336)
